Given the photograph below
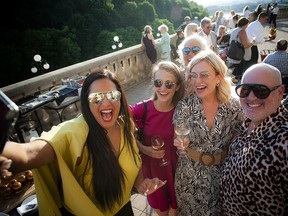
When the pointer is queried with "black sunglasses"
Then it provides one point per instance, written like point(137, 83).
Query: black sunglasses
point(259, 90)
point(168, 83)
point(194, 49)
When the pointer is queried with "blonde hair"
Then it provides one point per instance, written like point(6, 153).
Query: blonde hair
point(164, 27)
point(190, 29)
point(223, 90)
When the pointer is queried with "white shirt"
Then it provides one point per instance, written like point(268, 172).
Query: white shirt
point(275, 10)
point(209, 40)
point(256, 29)
point(246, 13)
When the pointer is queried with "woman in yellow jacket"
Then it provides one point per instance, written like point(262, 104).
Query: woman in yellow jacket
point(88, 165)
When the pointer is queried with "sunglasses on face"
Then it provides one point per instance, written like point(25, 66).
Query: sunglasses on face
point(202, 75)
point(98, 97)
point(168, 83)
point(259, 90)
point(194, 49)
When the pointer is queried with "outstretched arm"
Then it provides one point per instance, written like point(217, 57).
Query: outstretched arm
point(25, 156)
point(147, 186)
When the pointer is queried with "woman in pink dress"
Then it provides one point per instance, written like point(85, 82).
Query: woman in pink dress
point(169, 89)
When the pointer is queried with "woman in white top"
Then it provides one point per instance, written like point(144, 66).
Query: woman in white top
point(246, 12)
point(240, 35)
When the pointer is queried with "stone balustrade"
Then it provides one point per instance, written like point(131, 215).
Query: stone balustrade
point(131, 65)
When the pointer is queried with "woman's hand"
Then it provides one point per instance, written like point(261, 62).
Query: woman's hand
point(155, 153)
point(5, 164)
point(149, 186)
point(178, 143)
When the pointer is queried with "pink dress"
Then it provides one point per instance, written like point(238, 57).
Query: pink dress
point(159, 123)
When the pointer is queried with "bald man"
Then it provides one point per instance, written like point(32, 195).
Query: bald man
point(255, 175)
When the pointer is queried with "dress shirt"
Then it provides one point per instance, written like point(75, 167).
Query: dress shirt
point(256, 29)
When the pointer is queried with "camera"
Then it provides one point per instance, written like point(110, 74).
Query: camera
point(9, 112)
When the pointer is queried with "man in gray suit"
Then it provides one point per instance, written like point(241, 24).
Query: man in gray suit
point(209, 35)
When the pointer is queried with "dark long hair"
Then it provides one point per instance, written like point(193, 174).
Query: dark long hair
point(108, 176)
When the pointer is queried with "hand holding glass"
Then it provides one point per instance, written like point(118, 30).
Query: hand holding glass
point(181, 130)
point(157, 144)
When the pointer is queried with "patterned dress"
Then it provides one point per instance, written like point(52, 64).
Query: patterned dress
point(197, 185)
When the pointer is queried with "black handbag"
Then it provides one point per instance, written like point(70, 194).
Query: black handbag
point(139, 130)
point(236, 50)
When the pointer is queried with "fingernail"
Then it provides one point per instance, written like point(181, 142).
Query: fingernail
point(6, 173)
point(145, 194)
point(155, 187)
point(6, 163)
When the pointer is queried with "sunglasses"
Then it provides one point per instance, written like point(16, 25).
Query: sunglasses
point(194, 49)
point(202, 75)
point(259, 90)
point(98, 97)
point(168, 83)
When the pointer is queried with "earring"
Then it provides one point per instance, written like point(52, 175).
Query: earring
point(217, 84)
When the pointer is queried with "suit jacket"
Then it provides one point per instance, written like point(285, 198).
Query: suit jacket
point(214, 40)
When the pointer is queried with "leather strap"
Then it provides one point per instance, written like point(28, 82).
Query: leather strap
point(207, 158)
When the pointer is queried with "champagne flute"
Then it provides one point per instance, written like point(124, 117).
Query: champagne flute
point(181, 130)
point(157, 144)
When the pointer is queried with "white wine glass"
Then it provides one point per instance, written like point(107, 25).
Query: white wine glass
point(158, 144)
point(182, 130)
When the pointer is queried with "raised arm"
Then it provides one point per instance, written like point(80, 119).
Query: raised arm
point(26, 156)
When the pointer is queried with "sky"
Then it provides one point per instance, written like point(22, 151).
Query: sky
point(207, 3)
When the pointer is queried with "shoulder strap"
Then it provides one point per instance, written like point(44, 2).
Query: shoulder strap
point(145, 112)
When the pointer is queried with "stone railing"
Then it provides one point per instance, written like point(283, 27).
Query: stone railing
point(131, 65)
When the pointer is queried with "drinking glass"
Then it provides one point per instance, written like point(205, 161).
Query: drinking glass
point(182, 130)
point(158, 144)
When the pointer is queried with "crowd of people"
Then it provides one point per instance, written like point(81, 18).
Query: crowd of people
point(236, 160)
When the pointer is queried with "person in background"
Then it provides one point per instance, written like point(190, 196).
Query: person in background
point(169, 89)
point(273, 17)
point(149, 43)
point(222, 37)
point(189, 48)
point(254, 15)
point(231, 24)
point(255, 175)
point(180, 38)
point(256, 30)
point(246, 12)
point(187, 20)
point(165, 43)
point(214, 118)
point(214, 21)
point(190, 29)
point(88, 165)
point(279, 59)
point(240, 34)
point(235, 20)
point(209, 35)
point(268, 11)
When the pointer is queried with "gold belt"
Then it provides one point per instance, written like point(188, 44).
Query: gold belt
point(207, 158)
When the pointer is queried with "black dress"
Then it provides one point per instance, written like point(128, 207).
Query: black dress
point(150, 49)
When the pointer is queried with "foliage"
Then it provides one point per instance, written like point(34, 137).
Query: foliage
point(65, 32)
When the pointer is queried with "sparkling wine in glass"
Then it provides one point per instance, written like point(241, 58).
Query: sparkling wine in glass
point(181, 130)
point(158, 144)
